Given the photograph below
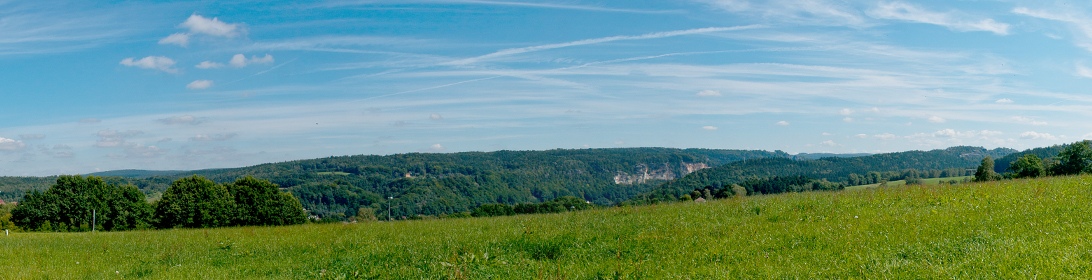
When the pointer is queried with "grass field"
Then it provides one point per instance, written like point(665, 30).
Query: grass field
point(1010, 229)
point(929, 181)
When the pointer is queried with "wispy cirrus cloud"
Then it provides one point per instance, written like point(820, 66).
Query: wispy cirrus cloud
point(913, 13)
point(544, 5)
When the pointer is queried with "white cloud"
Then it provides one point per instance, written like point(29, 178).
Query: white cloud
point(11, 145)
point(952, 133)
point(1003, 100)
point(709, 127)
point(63, 154)
point(907, 12)
point(31, 136)
point(827, 134)
point(209, 65)
point(1087, 136)
point(61, 147)
point(782, 123)
point(874, 110)
point(435, 117)
point(862, 136)
point(217, 137)
point(708, 93)
point(114, 138)
point(90, 120)
point(197, 24)
point(240, 60)
point(847, 119)
point(830, 143)
point(187, 119)
point(1030, 121)
point(152, 62)
point(437, 147)
point(201, 25)
point(1036, 136)
point(936, 119)
point(845, 111)
point(885, 136)
point(811, 12)
point(181, 39)
point(1083, 71)
point(946, 133)
point(199, 84)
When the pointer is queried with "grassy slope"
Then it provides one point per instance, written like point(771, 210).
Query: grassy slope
point(1010, 229)
point(928, 181)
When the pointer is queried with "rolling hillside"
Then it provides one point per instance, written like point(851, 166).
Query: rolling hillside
point(432, 184)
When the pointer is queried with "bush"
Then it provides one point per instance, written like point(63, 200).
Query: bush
point(490, 210)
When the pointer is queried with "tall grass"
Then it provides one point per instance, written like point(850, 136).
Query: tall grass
point(1011, 229)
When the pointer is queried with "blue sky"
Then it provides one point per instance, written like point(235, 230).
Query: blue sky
point(86, 87)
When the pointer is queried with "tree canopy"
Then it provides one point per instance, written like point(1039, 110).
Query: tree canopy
point(74, 202)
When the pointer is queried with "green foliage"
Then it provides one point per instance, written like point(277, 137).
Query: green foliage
point(195, 202)
point(261, 203)
point(1001, 164)
point(1028, 166)
point(5, 217)
point(75, 202)
point(365, 214)
point(985, 172)
point(1076, 158)
point(556, 205)
point(492, 210)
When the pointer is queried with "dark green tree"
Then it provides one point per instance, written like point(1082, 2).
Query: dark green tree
point(985, 171)
point(261, 203)
point(75, 202)
point(1027, 166)
point(495, 209)
point(1074, 159)
point(195, 202)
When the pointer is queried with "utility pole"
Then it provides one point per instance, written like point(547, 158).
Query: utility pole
point(93, 217)
point(389, 198)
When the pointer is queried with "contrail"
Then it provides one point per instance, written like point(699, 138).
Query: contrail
point(259, 73)
point(506, 52)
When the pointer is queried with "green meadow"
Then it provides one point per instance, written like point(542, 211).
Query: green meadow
point(1039, 228)
point(926, 181)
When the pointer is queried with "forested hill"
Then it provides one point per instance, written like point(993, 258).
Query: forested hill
point(834, 169)
point(431, 184)
point(1001, 164)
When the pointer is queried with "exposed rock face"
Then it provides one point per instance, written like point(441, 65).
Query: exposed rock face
point(642, 172)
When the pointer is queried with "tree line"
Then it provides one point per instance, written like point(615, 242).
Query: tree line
point(77, 203)
point(862, 170)
point(1072, 159)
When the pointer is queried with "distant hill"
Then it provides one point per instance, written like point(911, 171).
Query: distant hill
point(1001, 164)
point(134, 173)
point(432, 184)
point(803, 156)
point(834, 169)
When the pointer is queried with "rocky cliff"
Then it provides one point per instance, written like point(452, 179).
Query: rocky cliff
point(642, 172)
